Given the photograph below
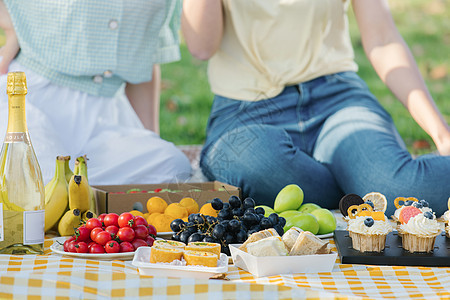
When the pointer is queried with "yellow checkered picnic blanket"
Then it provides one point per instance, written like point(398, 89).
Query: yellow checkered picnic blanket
point(59, 277)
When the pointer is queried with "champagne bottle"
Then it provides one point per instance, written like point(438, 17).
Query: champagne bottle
point(22, 199)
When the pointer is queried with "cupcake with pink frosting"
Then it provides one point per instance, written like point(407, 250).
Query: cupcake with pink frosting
point(418, 229)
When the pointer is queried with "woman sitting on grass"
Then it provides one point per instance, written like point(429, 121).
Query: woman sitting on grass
point(86, 62)
point(289, 106)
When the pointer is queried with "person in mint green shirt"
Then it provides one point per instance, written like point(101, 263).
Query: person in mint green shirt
point(93, 83)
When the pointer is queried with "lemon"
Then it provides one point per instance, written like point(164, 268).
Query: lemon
point(379, 201)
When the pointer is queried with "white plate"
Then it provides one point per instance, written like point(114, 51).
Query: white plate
point(142, 261)
point(58, 248)
point(325, 236)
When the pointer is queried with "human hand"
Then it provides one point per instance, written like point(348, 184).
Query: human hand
point(11, 48)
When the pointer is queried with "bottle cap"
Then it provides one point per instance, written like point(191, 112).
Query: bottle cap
point(16, 83)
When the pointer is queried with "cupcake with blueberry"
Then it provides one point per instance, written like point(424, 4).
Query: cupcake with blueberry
point(368, 229)
point(402, 202)
point(446, 218)
point(418, 229)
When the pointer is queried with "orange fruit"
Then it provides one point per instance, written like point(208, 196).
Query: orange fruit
point(150, 219)
point(207, 209)
point(176, 210)
point(136, 213)
point(162, 223)
point(156, 204)
point(190, 204)
point(407, 213)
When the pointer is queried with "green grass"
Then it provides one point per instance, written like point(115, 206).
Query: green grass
point(186, 98)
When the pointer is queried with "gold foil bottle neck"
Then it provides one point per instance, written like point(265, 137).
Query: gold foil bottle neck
point(16, 83)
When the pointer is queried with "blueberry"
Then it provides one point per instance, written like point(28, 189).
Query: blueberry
point(281, 221)
point(417, 204)
point(424, 203)
point(428, 214)
point(217, 204)
point(408, 203)
point(226, 205)
point(370, 203)
point(369, 222)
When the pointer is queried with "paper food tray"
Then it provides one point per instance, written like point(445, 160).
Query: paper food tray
point(142, 261)
point(277, 265)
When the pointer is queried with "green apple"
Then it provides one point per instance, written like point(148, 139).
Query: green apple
point(326, 220)
point(308, 207)
point(289, 198)
point(301, 220)
point(267, 210)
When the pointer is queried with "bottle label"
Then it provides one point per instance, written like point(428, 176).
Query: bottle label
point(12, 137)
point(1, 223)
point(33, 227)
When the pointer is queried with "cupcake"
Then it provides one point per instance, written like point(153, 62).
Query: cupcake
point(368, 230)
point(418, 229)
point(446, 217)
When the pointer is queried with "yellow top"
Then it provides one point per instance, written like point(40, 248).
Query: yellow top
point(16, 83)
point(269, 44)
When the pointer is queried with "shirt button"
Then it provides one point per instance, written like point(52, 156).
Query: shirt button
point(108, 74)
point(113, 24)
point(98, 79)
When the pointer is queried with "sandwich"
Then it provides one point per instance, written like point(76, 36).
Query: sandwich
point(270, 246)
point(308, 244)
point(258, 236)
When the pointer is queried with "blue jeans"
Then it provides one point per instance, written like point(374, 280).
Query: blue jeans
point(328, 135)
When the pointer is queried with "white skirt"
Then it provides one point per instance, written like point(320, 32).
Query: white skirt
point(63, 121)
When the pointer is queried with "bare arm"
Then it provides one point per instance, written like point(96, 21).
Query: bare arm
point(11, 48)
point(395, 65)
point(202, 26)
point(144, 98)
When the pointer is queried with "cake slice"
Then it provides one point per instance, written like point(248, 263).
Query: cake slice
point(308, 244)
point(170, 244)
point(290, 236)
point(203, 246)
point(200, 258)
point(164, 255)
point(258, 236)
point(270, 246)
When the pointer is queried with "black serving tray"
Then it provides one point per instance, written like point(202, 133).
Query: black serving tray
point(393, 254)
